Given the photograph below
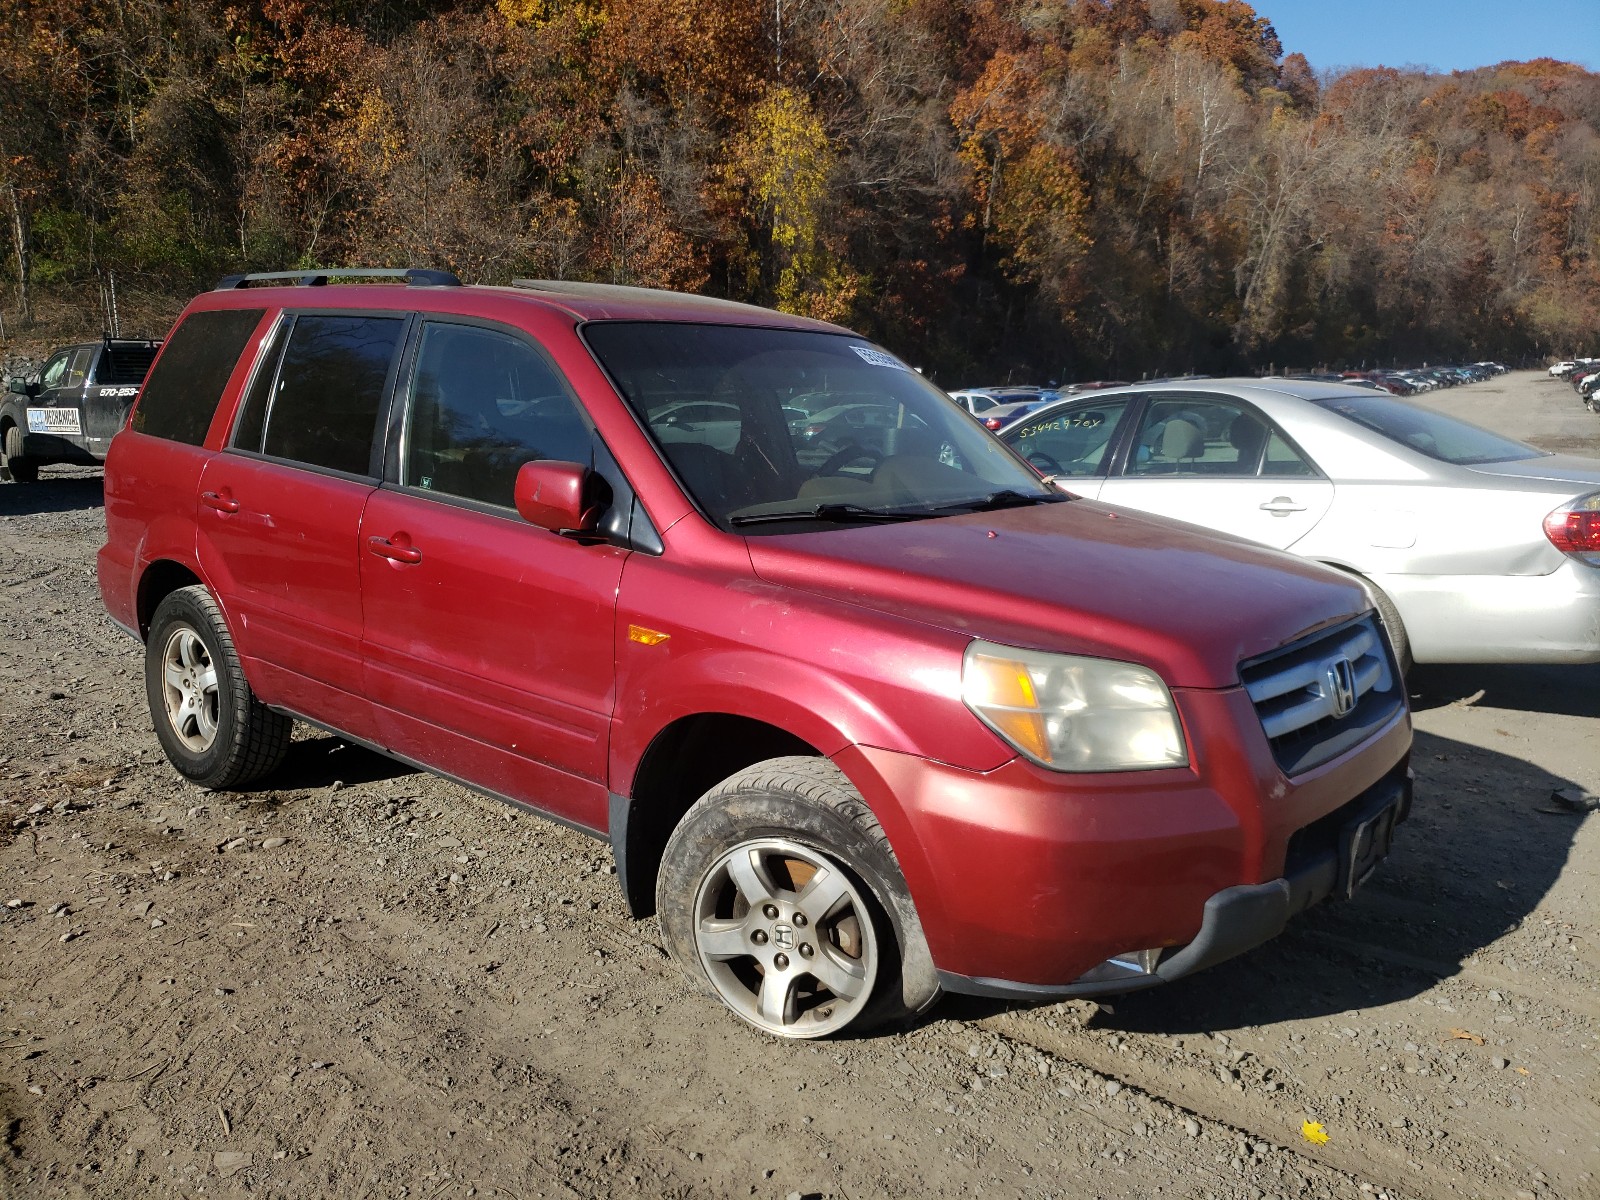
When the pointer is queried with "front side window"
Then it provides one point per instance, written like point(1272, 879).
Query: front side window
point(772, 430)
point(482, 404)
point(55, 371)
point(1068, 441)
point(324, 404)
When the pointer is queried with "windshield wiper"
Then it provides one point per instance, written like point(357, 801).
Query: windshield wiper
point(1006, 498)
point(839, 513)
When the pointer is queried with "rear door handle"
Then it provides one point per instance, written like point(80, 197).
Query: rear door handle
point(1282, 506)
point(222, 501)
point(399, 550)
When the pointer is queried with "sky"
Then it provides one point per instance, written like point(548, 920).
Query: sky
point(1447, 35)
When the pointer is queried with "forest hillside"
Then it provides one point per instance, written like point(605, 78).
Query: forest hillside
point(1046, 188)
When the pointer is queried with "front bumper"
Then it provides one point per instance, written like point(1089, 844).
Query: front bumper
point(1025, 880)
point(1335, 861)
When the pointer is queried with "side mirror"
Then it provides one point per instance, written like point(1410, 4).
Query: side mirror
point(21, 386)
point(557, 496)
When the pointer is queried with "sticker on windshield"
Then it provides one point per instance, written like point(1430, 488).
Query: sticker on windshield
point(879, 358)
point(53, 420)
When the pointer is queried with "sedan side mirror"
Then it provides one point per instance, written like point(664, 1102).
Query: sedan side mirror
point(558, 496)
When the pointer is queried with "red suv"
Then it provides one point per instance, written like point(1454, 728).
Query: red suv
point(861, 722)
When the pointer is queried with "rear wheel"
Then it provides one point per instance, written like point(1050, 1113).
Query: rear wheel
point(209, 722)
point(23, 469)
point(779, 894)
point(1395, 626)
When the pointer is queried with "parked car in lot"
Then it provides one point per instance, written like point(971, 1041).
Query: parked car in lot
point(69, 412)
point(902, 721)
point(1478, 548)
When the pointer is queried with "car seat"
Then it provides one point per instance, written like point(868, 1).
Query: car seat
point(1248, 436)
point(1181, 440)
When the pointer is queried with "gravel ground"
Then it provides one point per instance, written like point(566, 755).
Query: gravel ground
point(368, 982)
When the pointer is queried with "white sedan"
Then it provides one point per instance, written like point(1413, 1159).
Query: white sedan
point(1477, 548)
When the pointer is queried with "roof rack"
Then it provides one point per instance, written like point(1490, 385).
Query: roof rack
point(414, 277)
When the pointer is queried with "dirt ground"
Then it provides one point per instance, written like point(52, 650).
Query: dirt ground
point(366, 982)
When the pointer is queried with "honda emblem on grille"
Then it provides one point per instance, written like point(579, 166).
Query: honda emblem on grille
point(1341, 686)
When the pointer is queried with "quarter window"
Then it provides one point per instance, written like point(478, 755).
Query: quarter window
point(324, 404)
point(1284, 459)
point(186, 384)
point(482, 404)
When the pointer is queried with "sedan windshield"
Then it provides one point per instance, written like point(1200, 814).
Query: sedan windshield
point(773, 430)
point(1434, 434)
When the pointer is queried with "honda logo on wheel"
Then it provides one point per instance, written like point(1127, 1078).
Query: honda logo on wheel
point(1340, 689)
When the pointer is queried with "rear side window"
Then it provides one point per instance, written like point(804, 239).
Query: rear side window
point(181, 395)
point(323, 406)
point(125, 362)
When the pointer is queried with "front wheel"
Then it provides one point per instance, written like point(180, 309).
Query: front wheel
point(209, 722)
point(22, 468)
point(779, 894)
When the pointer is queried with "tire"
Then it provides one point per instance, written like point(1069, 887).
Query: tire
point(209, 722)
point(23, 470)
point(1395, 627)
point(779, 895)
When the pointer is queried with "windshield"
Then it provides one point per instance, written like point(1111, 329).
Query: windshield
point(1434, 434)
point(773, 430)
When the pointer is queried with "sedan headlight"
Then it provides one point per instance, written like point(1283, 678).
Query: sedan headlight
point(1070, 713)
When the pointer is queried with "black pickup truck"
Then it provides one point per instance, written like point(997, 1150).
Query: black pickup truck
point(70, 411)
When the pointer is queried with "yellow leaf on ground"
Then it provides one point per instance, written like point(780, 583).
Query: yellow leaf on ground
point(1314, 1133)
point(1464, 1036)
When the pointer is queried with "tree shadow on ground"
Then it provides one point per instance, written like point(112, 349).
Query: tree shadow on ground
point(73, 493)
point(1474, 860)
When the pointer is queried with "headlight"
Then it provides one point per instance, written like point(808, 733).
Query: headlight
point(1073, 714)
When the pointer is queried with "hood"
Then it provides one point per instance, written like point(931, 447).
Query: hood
point(1078, 577)
point(1582, 473)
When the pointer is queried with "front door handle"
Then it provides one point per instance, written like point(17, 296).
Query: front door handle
point(222, 501)
point(398, 549)
point(1282, 506)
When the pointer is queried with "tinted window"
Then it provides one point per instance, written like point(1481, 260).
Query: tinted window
point(1068, 441)
point(1427, 432)
point(482, 404)
point(252, 423)
point(324, 405)
point(125, 362)
point(182, 393)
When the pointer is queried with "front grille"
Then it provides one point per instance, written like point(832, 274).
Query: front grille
point(1298, 692)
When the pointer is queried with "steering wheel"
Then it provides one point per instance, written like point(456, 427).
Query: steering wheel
point(846, 454)
point(1045, 463)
